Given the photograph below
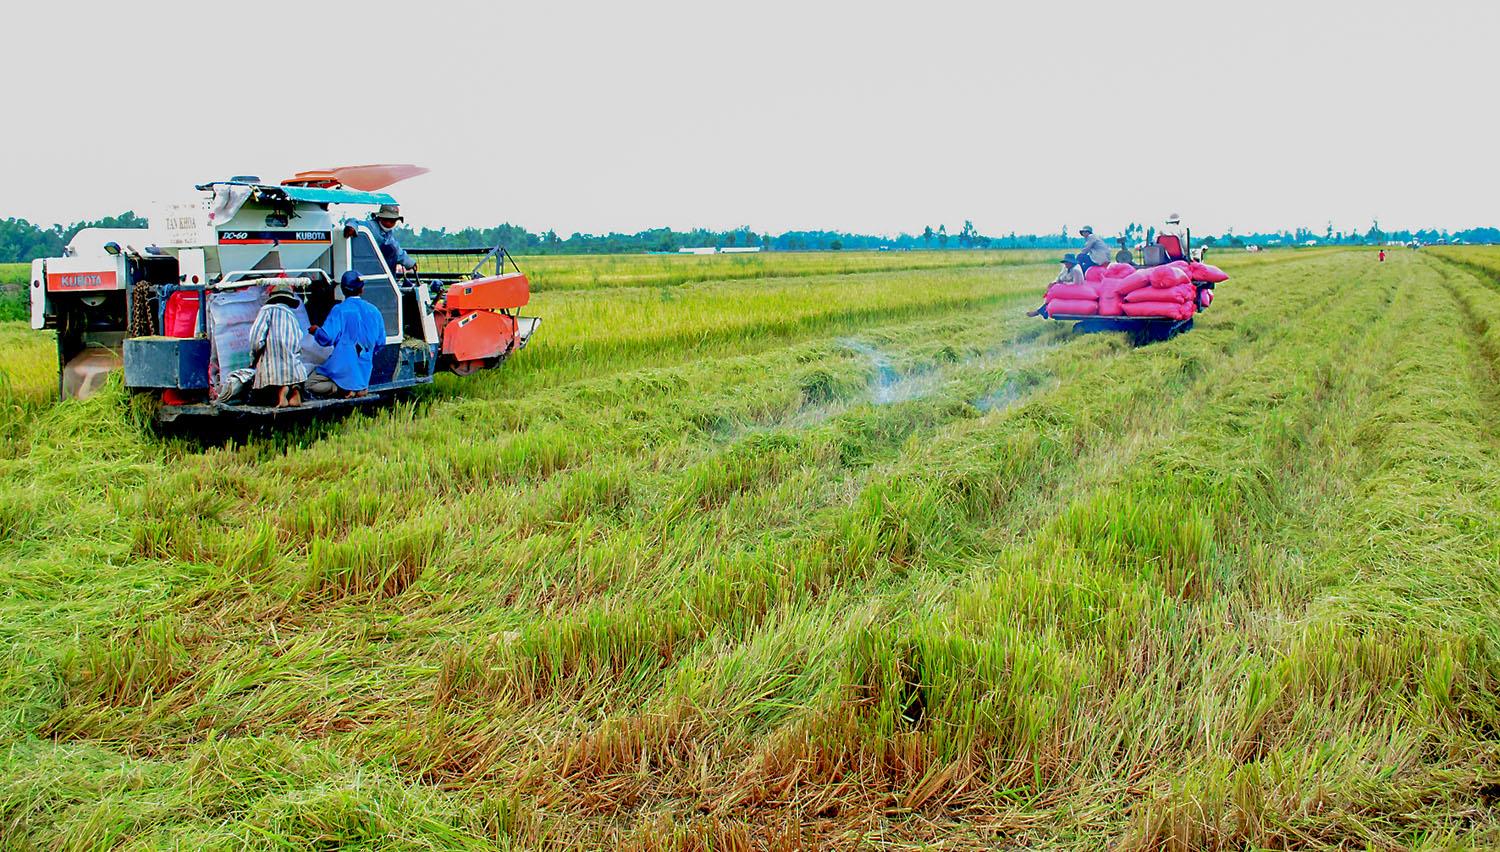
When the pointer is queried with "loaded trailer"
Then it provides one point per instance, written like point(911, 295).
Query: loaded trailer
point(1168, 267)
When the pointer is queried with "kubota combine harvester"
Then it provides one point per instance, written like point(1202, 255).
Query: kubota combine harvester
point(172, 304)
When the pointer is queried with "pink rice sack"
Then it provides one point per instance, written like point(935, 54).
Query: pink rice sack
point(1072, 291)
point(1180, 293)
point(1168, 310)
point(1075, 307)
point(1130, 283)
point(1094, 274)
point(1206, 273)
point(1118, 270)
point(1110, 306)
point(1206, 298)
point(1170, 275)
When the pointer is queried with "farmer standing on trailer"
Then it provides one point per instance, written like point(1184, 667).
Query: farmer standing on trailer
point(1094, 252)
point(354, 329)
point(383, 224)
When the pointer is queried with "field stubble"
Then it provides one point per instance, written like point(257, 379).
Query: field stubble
point(857, 559)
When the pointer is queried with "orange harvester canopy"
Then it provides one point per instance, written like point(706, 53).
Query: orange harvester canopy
point(370, 178)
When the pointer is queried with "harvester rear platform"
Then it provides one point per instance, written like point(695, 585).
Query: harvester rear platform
point(172, 304)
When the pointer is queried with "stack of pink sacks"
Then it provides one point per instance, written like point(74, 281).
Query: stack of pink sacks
point(1075, 299)
point(1122, 290)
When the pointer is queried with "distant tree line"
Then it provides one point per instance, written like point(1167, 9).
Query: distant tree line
point(21, 240)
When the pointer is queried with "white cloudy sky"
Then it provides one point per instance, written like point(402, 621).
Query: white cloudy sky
point(864, 116)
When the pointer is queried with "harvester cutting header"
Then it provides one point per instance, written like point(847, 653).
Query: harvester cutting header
point(175, 305)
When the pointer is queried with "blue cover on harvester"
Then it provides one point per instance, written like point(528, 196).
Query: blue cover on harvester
point(318, 195)
point(311, 194)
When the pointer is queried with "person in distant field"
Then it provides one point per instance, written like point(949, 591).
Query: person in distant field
point(383, 224)
point(1094, 252)
point(1071, 273)
point(276, 347)
point(355, 329)
point(1382, 255)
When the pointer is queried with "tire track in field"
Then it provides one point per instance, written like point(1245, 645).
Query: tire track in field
point(1476, 323)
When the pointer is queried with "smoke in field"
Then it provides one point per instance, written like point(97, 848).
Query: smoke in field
point(888, 384)
point(1002, 397)
point(885, 375)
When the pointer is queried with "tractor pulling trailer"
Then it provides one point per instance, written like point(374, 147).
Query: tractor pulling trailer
point(172, 305)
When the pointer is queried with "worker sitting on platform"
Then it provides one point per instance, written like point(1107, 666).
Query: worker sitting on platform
point(355, 329)
point(275, 344)
point(1071, 273)
point(1094, 252)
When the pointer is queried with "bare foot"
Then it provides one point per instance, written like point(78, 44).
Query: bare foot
point(281, 397)
point(296, 398)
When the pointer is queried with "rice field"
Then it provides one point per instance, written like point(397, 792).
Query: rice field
point(572, 272)
point(824, 550)
point(14, 273)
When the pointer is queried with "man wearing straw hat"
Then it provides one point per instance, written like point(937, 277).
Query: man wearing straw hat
point(275, 343)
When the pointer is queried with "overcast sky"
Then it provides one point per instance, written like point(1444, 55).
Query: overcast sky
point(861, 116)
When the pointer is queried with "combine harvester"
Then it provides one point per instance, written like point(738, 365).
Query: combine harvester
point(173, 304)
point(1151, 296)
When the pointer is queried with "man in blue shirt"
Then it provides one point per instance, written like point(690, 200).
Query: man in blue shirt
point(382, 225)
point(355, 329)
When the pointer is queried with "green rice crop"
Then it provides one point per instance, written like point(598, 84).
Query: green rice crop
point(14, 273)
point(574, 272)
point(849, 556)
point(13, 281)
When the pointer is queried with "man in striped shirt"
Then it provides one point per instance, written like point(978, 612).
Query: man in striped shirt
point(276, 343)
